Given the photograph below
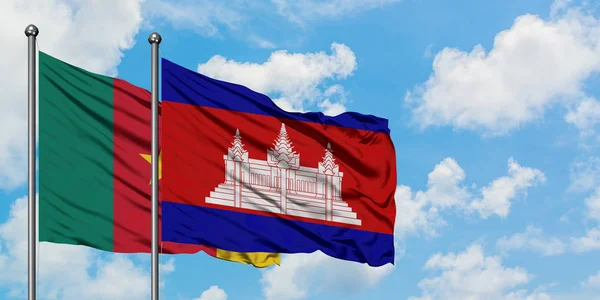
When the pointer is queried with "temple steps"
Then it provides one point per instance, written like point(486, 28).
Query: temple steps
point(268, 200)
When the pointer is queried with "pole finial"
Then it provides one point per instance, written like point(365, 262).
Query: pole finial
point(31, 30)
point(154, 38)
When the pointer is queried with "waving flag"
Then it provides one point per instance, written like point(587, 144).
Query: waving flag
point(242, 174)
point(94, 165)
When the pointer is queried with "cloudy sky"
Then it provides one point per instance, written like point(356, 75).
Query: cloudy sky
point(494, 111)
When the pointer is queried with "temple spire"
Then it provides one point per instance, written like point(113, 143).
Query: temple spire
point(283, 144)
point(328, 162)
point(237, 151)
point(282, 154)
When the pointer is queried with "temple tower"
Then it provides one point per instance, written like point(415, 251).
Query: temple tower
point(282, 158)
point(330, 169)
point(236, 157)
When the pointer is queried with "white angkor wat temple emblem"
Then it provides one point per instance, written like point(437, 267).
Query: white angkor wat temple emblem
point(281, 185)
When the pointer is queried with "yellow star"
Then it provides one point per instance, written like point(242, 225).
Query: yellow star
point(148, 158)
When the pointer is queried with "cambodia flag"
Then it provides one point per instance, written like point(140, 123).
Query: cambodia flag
point(241, 174)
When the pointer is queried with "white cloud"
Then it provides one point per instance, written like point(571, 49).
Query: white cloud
point(496, 196)
point(68, 271)
point(213, 293)
point(427, 53)
point(301, 274)
point(534, 64)
point(585, 175)
point(201, 16)
point(333, 104)
point(292, 79)
point(168, 266)
point(301, 11)
point(534, 240)
point(261, 42)
point(331, 109)
point(524, 295)
point(415, 214)
point(592, 203)
point(420, 211)
point(589, 242)
point(472, 275)
point(585, 116)
point(70, 31)
point(592, 282)
point(559, 6)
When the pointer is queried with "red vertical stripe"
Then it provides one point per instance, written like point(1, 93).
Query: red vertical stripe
point(132, 209)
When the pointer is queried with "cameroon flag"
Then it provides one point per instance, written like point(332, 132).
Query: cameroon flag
point(94, 165)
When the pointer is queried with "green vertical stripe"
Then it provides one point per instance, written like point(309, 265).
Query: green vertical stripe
point(75, 155)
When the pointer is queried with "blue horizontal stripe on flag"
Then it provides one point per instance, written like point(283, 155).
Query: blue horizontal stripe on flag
point(186, 86)
point(241, 232)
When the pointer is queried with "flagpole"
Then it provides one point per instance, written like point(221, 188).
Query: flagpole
point(154, 39)
point(31, 32)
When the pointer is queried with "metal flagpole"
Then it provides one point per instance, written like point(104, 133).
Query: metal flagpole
point(154, 39)
point(31, 32)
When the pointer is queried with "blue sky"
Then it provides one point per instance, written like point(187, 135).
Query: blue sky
point(493, 111)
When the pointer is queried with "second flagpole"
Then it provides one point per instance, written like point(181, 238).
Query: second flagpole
point(154, 39)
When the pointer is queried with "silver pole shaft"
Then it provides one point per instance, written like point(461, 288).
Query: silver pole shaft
point(31, 32)
point(154, 41)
